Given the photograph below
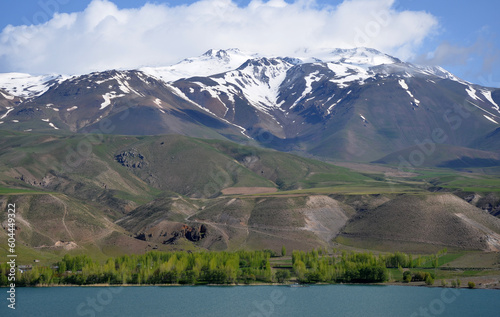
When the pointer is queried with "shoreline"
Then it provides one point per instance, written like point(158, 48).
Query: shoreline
point(496, 286)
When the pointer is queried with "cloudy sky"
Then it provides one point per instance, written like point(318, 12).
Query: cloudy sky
point(75, 37)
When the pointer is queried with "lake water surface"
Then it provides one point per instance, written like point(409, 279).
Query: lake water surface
point(252, 301)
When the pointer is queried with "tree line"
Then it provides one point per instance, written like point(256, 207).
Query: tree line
point(350, 267)
point(198, 268)
point(152, 268)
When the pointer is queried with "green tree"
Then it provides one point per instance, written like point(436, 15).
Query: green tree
point(283, 251)
point(282, 275)
point(300, 269)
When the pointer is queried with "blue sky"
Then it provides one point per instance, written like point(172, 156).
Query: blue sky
point(462, 36)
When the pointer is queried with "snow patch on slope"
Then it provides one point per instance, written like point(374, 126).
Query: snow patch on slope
point(491, 114)
point(487, 95)
point(345, 74)
point(157, 101)
point(472, 93)
point(259, 80)
point(179, 93)
point(404, 85)
point(310, 79)
point(8, 97)
point(53, 126)
point(225, 89)
point(491, 119)
point(9, 109)
point(26, 85)
point(108, 97)
point(124, 86)
point(329, 110)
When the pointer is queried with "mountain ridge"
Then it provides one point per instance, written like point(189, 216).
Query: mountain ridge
point(336, 105)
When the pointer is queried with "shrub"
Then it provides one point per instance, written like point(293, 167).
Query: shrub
point(282, 275)
point(472, 285)
point(429, 280)
point(407, 276)
point(422, 276)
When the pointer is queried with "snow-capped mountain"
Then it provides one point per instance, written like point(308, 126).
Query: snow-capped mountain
point(357, 104)
point(26, 85)
point(211, 63)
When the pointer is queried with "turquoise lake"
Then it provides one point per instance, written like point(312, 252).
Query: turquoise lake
point(253, 301)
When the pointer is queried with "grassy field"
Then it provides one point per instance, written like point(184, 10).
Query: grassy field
point(20, 191)
point(456, 180)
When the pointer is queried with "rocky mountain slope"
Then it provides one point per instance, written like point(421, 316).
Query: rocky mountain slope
point(357, 104)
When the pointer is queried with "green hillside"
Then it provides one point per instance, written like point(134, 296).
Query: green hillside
point(110, 195)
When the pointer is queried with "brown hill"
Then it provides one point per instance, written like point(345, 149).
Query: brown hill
point(301, 222)
point(424, 222)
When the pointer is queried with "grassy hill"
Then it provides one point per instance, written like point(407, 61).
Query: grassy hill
point(49, 225)
point(442, 155)
point(109, 195)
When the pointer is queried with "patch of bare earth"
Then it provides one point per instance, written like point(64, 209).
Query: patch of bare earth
point(66, 245)
point(492, 238)
point(324, 216)
point(248, 190)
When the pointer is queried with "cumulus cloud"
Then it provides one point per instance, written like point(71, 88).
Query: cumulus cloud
point(105, 37)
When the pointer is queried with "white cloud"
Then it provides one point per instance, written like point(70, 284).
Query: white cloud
point(104, 37)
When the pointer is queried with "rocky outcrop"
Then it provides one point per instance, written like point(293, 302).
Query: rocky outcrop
point(192, 234)
point(131, 159)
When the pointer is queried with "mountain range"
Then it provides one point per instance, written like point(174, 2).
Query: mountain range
point(342, 104)
point(234, 150)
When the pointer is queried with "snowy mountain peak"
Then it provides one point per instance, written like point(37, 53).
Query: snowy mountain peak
point(216, 61)
point(223, 54)
point(264, 62)
point(26, 85)
point(355, 56)
point(210, 63)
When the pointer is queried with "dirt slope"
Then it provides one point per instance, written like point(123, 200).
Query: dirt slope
point(442, 220)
